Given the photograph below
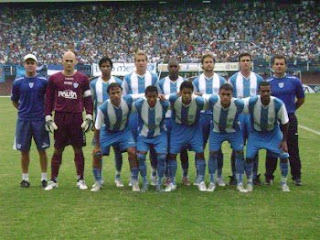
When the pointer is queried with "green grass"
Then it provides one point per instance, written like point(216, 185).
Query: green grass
point(68, 213)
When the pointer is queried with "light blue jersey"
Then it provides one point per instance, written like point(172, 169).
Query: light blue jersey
point(114, 118)
point(150, 120)
point(186, 114)
point(265, 118)
point(167, 87)
point(225, 120)
point(135, 84)
point(245, 87)
point(99, 90)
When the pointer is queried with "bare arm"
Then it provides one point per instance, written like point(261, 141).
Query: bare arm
point(15, 104)
point(299, 102)
point(283, 144)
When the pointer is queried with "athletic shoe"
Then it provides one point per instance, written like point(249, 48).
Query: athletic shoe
point(166, 181)
point(211, 187)
point(241, 188)
point(196, 181)
point(185, 181)
point(81, 184)
point(297, 182)
point(44, 183)
point(153, 180)
point(232, 181)
point(202, 187)
point(135, 187)
point(159, 188)
point(256, 180)
point(96, 187)
point(285, 188)
point(51, 185)
point(145, 186)
point(118, 182)
point(171, 187)
point(249, 187)
point(24, 184)
point(269, 181)
point(221, 182)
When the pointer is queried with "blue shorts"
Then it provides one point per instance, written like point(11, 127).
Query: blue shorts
point(134, 124)
point(159, 143)
point(267, 140)
point(28, 129)
point(235, 139)
point(245, 124)
point(122, 139)
point(183, 136)
point(205, 122)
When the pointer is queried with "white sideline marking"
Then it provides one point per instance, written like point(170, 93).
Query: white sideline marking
point(309, 129)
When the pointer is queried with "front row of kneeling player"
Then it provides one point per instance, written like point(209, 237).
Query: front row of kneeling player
point(265, 113)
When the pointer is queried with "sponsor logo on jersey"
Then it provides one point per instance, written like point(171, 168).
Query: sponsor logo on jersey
point(31, 84)
point(75, 85)
point(281, 85)
point(69, 94)
point(67, 83)
point(68, 78)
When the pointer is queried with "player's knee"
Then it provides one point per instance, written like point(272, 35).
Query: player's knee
point(284, 160)
point(249, 160)
point(58, 151)
point(172, 156)
point(200, 155)
point(132, 151)
point(239, 154)
point(97, 162)
point(214, 154)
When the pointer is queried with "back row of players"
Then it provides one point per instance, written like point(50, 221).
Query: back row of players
point(141, 113)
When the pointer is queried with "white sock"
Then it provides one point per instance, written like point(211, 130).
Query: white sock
point(25, 176)
point(44, 176)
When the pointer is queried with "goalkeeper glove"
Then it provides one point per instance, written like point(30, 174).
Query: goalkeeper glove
point(87, 123)
point(50, 124)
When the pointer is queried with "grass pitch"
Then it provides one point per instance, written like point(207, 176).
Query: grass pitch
point(68, 213)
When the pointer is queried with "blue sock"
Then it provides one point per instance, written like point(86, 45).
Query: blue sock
point(161, 158)
point(239, 167)
point(173, 170)
point(142, 165)
point(97, 174)
point(212, 166)
point(220, 164)
point(284, 168)
point(134, 174)
point(255, 166)
point(201, 168)
point(248, 168)
point(118, 162)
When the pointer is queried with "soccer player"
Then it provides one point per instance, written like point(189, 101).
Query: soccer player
point(27, 97)
point(209, 83)
point(151, 114)
point(245, 84)
point(225, 127)
point(289, 89)
point(99, 93)
point(68, 93)
point(185, 132)
point(113, 114)
point(135, 84)
point(265, 114)
point(168, 85)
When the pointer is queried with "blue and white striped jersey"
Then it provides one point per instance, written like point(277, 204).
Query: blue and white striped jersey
point(265, 118)
point(167, 87)
point(114, 118)
point(186, 114)
point(226, 120)
point(135, 84)
point(150, 119)
point(208, 86)
point(245, 87)
point(99, 90)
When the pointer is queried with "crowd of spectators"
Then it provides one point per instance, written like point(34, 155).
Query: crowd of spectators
point(226, 29)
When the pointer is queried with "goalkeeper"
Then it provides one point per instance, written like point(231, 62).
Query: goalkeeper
point(68, 94)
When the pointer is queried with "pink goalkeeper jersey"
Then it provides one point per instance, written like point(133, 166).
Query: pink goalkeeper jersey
point(68, 94)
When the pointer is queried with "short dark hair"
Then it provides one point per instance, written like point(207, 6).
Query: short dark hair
point(105, 60)
point(226, 86)
point(113, 85)
point(208, 55)
point(151, 88)
point(245, 54)
point(278, 56)
point(186, 84)
point(264, 84)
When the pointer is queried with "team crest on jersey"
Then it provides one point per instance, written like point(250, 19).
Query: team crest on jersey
point(75, 85)
point(31, 84)
point(281, 85)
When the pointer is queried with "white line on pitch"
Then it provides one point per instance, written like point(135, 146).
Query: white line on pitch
point(310, 130)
